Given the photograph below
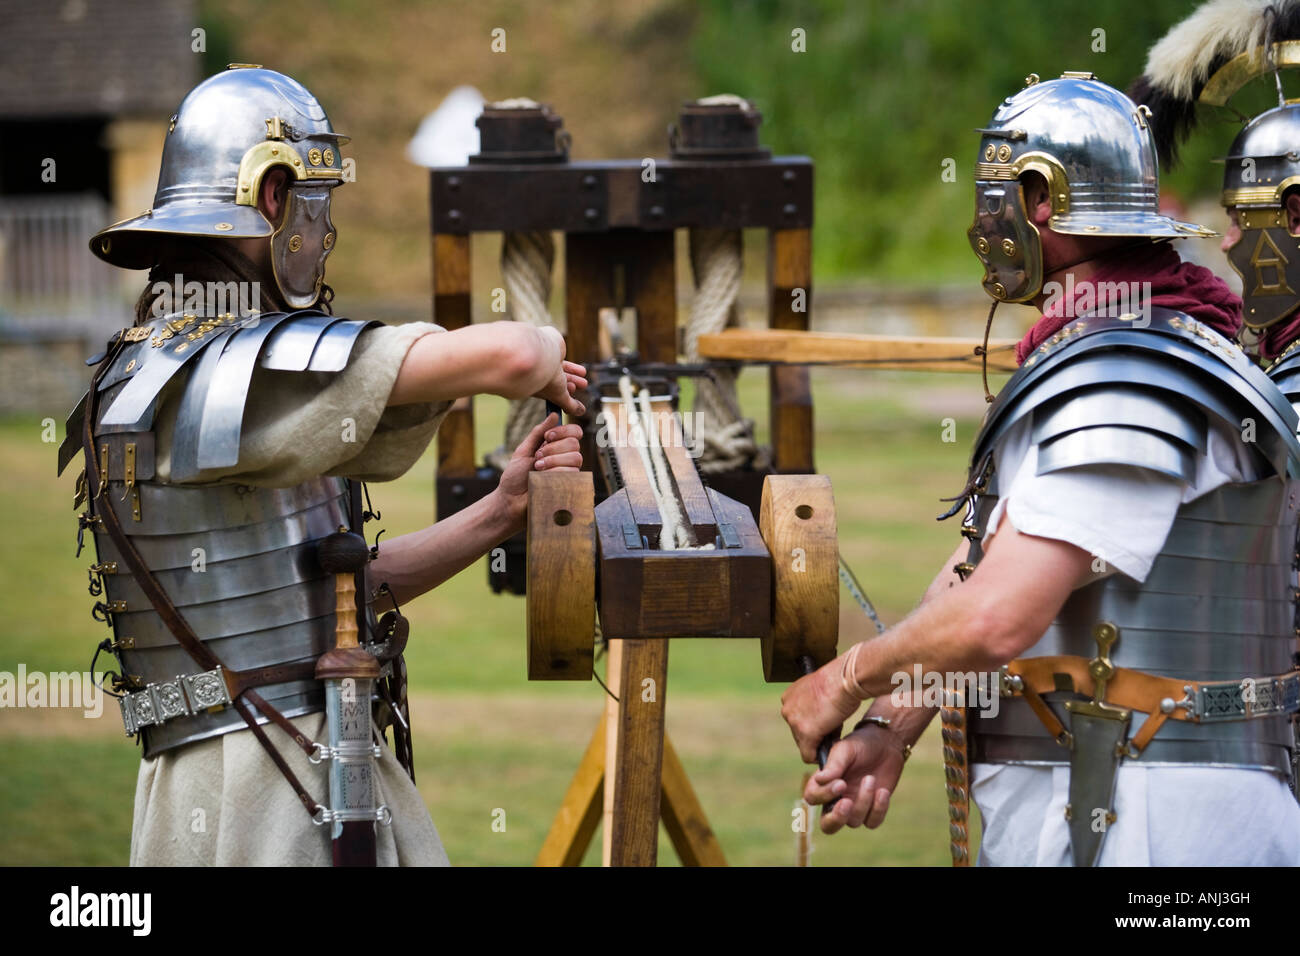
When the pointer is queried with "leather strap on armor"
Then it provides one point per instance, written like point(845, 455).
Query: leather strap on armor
point(239, 684)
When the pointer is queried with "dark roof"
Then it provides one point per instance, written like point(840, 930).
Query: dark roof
point(95, 57)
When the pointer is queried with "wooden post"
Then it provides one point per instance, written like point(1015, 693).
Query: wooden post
point(789, 281)
point(451, 310)
point(615, 269)
point(588, 288)
point(614, 681)
point(637, 754)
point(650, 264)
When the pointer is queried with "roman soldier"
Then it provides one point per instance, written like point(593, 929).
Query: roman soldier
point(1130, 526)
point(1204, 61)
point(226, 436)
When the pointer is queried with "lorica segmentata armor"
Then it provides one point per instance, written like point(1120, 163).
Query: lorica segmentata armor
point(238, 562)
point(1195, 665)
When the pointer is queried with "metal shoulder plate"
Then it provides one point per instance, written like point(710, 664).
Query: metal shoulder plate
point(221, 355)
point(1105, 391)
point(1285, 374)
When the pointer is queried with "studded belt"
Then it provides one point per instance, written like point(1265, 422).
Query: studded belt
point(182, 696)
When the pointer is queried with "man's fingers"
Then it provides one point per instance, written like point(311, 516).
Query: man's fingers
point(823, 791)
point(834, 818)
point(837, 762)
point(878, 809)
point(860, 805)
point(557, 446)
point(572, 405)
point(571, 460)
point(529, 446)
point(561, 432)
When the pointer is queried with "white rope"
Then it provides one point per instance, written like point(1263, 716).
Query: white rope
point(526, 259)
point(723, 440)
point(676, 534)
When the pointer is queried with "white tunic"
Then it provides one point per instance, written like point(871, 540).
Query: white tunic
point(1167, 815)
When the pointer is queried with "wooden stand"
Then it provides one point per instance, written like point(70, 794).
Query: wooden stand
point(631, 785)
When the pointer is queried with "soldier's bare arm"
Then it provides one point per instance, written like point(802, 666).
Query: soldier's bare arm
point(510, 359)
point(418, 562)
point(981, 624)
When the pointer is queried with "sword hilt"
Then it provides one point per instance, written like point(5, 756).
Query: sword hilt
point(343, 554)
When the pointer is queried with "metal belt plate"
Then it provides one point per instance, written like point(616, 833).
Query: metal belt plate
point(1227, 700)
point(179, 697)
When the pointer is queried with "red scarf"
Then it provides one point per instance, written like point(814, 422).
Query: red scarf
point(1277, 337)
point(1174, 285)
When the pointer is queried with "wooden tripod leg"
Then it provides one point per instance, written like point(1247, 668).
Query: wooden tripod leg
point(579, 814)
point(684, 818)
point(638, 754)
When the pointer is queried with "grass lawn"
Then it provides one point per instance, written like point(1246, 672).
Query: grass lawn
point(485, 737)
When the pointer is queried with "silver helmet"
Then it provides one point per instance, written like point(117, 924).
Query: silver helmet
point(1263, 163)
point(229, 132)
point(1093, 146)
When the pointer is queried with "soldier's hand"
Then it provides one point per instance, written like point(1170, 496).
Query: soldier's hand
point(567, 378)
point(815, 705)
point(549, 447)
point(860, 776)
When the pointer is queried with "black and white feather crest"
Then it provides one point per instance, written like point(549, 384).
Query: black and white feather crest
point(1182, 62)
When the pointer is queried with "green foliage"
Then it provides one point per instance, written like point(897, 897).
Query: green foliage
point(888, 90)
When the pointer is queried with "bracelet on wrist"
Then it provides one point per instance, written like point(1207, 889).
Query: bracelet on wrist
point(885, 723)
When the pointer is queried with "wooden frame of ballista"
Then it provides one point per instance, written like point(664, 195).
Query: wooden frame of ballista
point(587, 560)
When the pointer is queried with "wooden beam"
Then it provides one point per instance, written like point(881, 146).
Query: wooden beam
point(638, 757)
point(684, 818)
point(651, 264)
point(451, 310)
point(789, 287)
point(918, 353)
point(588, 288)
point(579, 814)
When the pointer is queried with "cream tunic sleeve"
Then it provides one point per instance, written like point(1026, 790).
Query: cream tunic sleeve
point(301, 425)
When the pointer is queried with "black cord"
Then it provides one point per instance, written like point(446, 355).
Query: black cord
point(602, 684)
point(105, 645)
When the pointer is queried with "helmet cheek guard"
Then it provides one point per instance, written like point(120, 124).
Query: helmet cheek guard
point(1262, 166)
point(1006, 242)
point(1267, 257)
point(301, 243)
